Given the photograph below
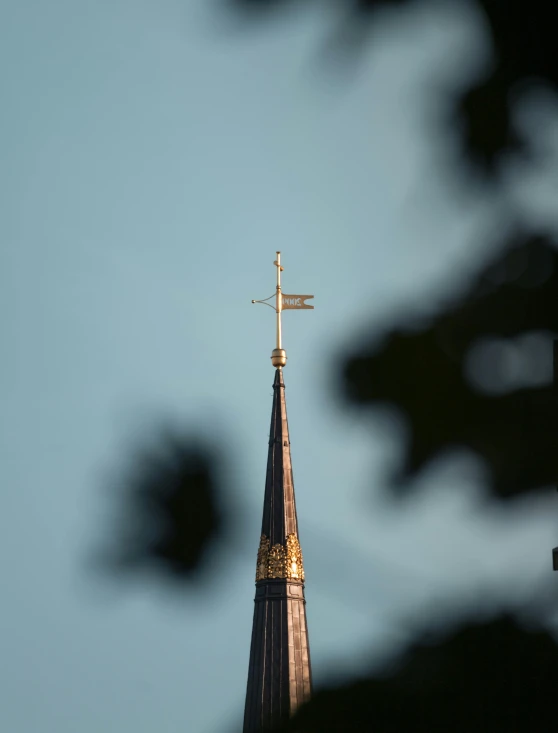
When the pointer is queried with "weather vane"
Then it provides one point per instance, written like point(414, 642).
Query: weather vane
point(283, 302)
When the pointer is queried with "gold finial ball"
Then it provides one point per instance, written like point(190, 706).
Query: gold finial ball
point(278, 358)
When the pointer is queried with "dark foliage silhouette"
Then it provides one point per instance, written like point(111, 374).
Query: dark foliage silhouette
point(170, 509)
point(486, 678)
point(423, 374)
point(523, 43)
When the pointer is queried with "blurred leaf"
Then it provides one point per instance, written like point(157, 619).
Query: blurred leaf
point(523, 40)
point(485, 678)
point(483, 113)
point(422, 374)
point(169, 513)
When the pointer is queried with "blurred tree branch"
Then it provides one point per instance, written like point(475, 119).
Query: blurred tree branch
point(170, 510)
point(423, 374)
point(487, 678)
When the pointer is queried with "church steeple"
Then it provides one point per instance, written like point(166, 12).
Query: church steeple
point(279, 673)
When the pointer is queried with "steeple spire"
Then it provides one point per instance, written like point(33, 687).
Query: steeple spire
point(279, 673)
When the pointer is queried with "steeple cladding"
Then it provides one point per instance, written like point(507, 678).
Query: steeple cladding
point(279, 673)
point(279, 512)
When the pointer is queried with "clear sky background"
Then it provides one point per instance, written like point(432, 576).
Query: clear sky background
point(155, 155)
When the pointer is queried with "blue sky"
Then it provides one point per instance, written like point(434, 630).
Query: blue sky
point(155, 156)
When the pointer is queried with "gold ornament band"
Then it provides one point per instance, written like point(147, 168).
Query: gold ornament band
point(279, 561)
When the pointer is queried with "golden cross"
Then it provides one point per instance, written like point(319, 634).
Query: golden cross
point(283, 302)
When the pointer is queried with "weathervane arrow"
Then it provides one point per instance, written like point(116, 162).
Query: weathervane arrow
point(283, 302)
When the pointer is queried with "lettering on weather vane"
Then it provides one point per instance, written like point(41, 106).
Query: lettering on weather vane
point(296, 301)
point(283, 302)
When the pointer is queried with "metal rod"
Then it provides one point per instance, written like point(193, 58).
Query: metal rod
point(278, 299)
